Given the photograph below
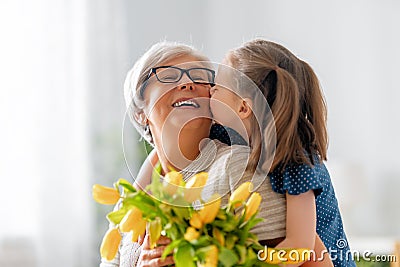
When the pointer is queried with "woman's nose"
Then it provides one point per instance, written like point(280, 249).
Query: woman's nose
point(186, 83)
point(186, 86)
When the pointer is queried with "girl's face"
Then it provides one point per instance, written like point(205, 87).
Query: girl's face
point(224, 103)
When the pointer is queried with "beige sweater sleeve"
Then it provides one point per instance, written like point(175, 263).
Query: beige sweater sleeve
point(273, 205)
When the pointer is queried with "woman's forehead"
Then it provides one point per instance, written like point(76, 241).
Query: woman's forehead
point(184, 61)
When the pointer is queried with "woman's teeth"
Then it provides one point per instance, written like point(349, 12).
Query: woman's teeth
point(185, 103)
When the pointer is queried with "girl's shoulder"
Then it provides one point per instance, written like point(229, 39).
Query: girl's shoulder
point(226, 135)
point(298, 178)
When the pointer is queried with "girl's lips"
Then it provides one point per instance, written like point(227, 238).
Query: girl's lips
point(185, 103)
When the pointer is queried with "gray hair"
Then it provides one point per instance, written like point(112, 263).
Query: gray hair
point(157, 54)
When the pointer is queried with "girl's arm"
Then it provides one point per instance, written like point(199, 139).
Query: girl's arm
point(146, 170)
point(301, 219)
point(322, 257)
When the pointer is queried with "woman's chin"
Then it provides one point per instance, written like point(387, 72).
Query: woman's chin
point(189, 119)
point(198, 123)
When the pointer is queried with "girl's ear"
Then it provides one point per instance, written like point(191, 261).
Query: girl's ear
point(141, 118)
point(245, 108)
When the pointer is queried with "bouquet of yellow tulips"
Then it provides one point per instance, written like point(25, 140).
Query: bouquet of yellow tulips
point(202, 235)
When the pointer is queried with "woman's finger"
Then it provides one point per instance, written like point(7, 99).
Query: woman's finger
point(141, 239)
point(146, 242)
point(163, 240)
point(153, 253)
point(159, 262)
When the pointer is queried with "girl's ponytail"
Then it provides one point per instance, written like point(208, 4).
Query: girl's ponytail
point(285, 109)
point(314, 113)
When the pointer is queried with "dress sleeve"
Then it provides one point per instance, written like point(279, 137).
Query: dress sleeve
point(297, 179)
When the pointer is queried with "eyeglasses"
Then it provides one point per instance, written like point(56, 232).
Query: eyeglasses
point(172, 74)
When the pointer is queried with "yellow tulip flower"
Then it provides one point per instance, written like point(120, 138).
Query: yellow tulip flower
point(128, 222)
point(172, 180)
point(252, 205)
point(155, 232)
point(219, 236)
point(110, 244)
point(105, 195)
point(195, 221)
point(194, 186)
point(241, 193)
point(286, 256)
point(210, 210)
point(212, 256)
point(273, 255)
point(297, 255)
point(138, 230)
point(191, 234)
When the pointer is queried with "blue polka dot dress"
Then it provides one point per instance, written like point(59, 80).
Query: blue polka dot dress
point(226, 135)
point(299, 178)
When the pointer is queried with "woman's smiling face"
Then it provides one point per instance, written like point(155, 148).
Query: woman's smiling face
point(180, 104)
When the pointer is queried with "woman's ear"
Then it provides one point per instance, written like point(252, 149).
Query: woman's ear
point(141, 118)
point(245, 108)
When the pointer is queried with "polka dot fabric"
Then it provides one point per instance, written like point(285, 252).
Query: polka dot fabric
point(226, 135)
point(299, 178)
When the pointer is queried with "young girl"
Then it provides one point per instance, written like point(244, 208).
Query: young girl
point(292, 91)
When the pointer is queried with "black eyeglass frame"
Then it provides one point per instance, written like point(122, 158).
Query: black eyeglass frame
point(183, 71)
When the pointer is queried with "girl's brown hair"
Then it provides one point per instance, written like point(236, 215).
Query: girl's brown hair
point(293, 93)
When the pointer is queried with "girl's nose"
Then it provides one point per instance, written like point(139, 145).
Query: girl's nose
point(212, 90)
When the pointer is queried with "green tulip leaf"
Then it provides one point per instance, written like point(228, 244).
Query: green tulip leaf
point(126, 185)
point(184, 255)
point(168, 249)
point(227, 257)
point(242, 253)
point(115, 217)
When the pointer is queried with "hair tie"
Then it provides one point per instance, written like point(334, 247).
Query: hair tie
point(274, 68)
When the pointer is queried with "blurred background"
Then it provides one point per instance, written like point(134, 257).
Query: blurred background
point(62, 112)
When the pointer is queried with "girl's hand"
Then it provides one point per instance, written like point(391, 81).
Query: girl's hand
point(152, 257)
